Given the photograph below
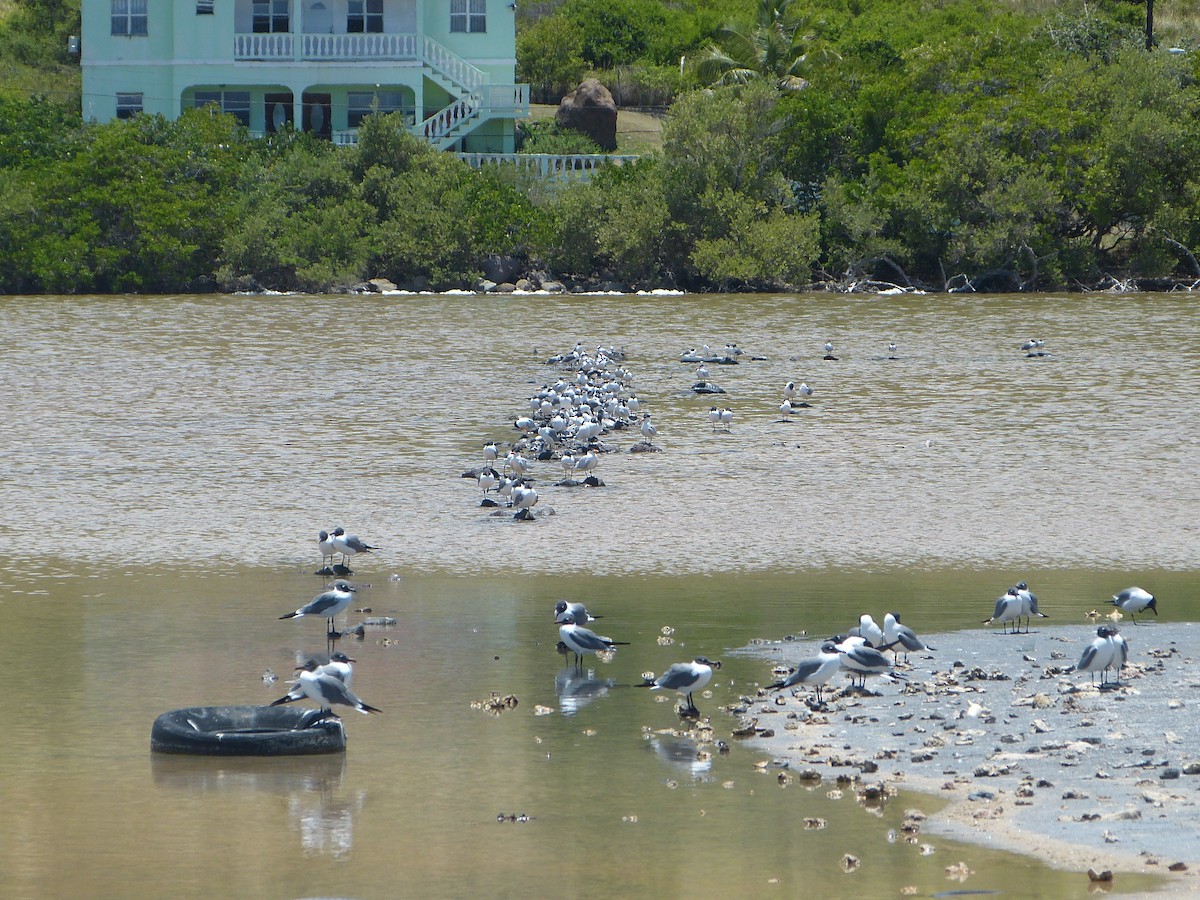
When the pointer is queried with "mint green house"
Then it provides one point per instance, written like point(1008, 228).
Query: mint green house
point(316, 65)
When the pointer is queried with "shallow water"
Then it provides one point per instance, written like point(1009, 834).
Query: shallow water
point(168, 461)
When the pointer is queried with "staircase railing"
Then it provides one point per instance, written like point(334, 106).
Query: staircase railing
point(451, 66)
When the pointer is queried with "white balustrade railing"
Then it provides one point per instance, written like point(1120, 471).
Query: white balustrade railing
point(506, 99)
point(358, 46)
point(451, 65)
point(269, 46)
point(550, 166)
point(442, 122)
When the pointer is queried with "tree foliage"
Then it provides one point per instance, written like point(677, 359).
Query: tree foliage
point(950, 139)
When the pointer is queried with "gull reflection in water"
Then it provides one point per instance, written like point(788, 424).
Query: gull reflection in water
point(684, 753)
point(325, 822)
point(312, 786)
point(577, 689)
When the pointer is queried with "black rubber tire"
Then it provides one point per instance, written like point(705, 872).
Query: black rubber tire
point(246, 731)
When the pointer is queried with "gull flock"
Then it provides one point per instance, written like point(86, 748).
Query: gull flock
point(568, 424)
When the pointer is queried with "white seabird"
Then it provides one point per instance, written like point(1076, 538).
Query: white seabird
point(816, 671)
point(1134, 600)
point(329, 604)
point(349, 544)
point(686, 678)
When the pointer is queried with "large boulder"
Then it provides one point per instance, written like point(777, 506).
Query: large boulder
point(590, 108)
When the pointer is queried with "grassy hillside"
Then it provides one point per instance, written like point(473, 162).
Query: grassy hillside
point(33, 57)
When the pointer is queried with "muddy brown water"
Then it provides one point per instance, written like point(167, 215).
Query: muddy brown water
point(168, 461)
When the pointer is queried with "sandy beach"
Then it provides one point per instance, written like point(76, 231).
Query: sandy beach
point(1032, 757)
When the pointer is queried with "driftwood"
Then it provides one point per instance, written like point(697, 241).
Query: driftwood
point(1185, 253)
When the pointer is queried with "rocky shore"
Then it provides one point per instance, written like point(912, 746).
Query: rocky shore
point(1031, 756)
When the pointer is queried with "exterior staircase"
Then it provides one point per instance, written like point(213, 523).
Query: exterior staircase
point(462, 81)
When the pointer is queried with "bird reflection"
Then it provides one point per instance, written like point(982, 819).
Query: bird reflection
point(325, 823)
point(682, 753)
point(576, 689)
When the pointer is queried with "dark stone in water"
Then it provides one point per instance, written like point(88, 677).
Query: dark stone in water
point(593, 481)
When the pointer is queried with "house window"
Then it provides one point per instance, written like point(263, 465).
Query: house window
point(128, 105)
point(235, 103)
point(360, 104)
point(204, 7)
point(270, 16)
point(129, 17)
point(365, 16)
point(468, 15)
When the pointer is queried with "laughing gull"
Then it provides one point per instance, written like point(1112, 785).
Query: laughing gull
point(1008, 609)
point(326, 689)
point(349, 544)
point(523, 500)
point(815, 671)
point(649, 432)
point(581, 641)
point(573, 612)
point(714, 417)
point(869, 631)
point(686, 678)
point(325, 545)
point(487, 479)
point(1102, 653)
point(861, 660)
point(1029, 604)
point(1134, 600)
point(338, 666)
point(897, 636)
point(328, 604)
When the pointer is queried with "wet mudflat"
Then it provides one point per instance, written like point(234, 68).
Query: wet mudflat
point(1032, 756)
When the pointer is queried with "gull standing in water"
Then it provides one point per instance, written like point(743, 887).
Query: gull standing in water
point(326, 689)
point(714, 417)
point(582, 641)
point(649, 432)
point(329, 604)
point(523, 500)
point(1134, 600)
point(488, 479)
point(325, 545)
point(816, 671)
point(727, 418)
point(349, 544)
point(574, 612)
point(686, 678)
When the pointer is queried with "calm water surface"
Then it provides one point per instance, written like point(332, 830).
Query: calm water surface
point(168, 461)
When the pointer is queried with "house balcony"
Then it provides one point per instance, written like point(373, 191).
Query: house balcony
point(284, 47)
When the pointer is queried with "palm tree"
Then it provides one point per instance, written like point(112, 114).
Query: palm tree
point(778, 48)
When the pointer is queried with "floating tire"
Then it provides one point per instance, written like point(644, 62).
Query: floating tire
point(247, 731)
